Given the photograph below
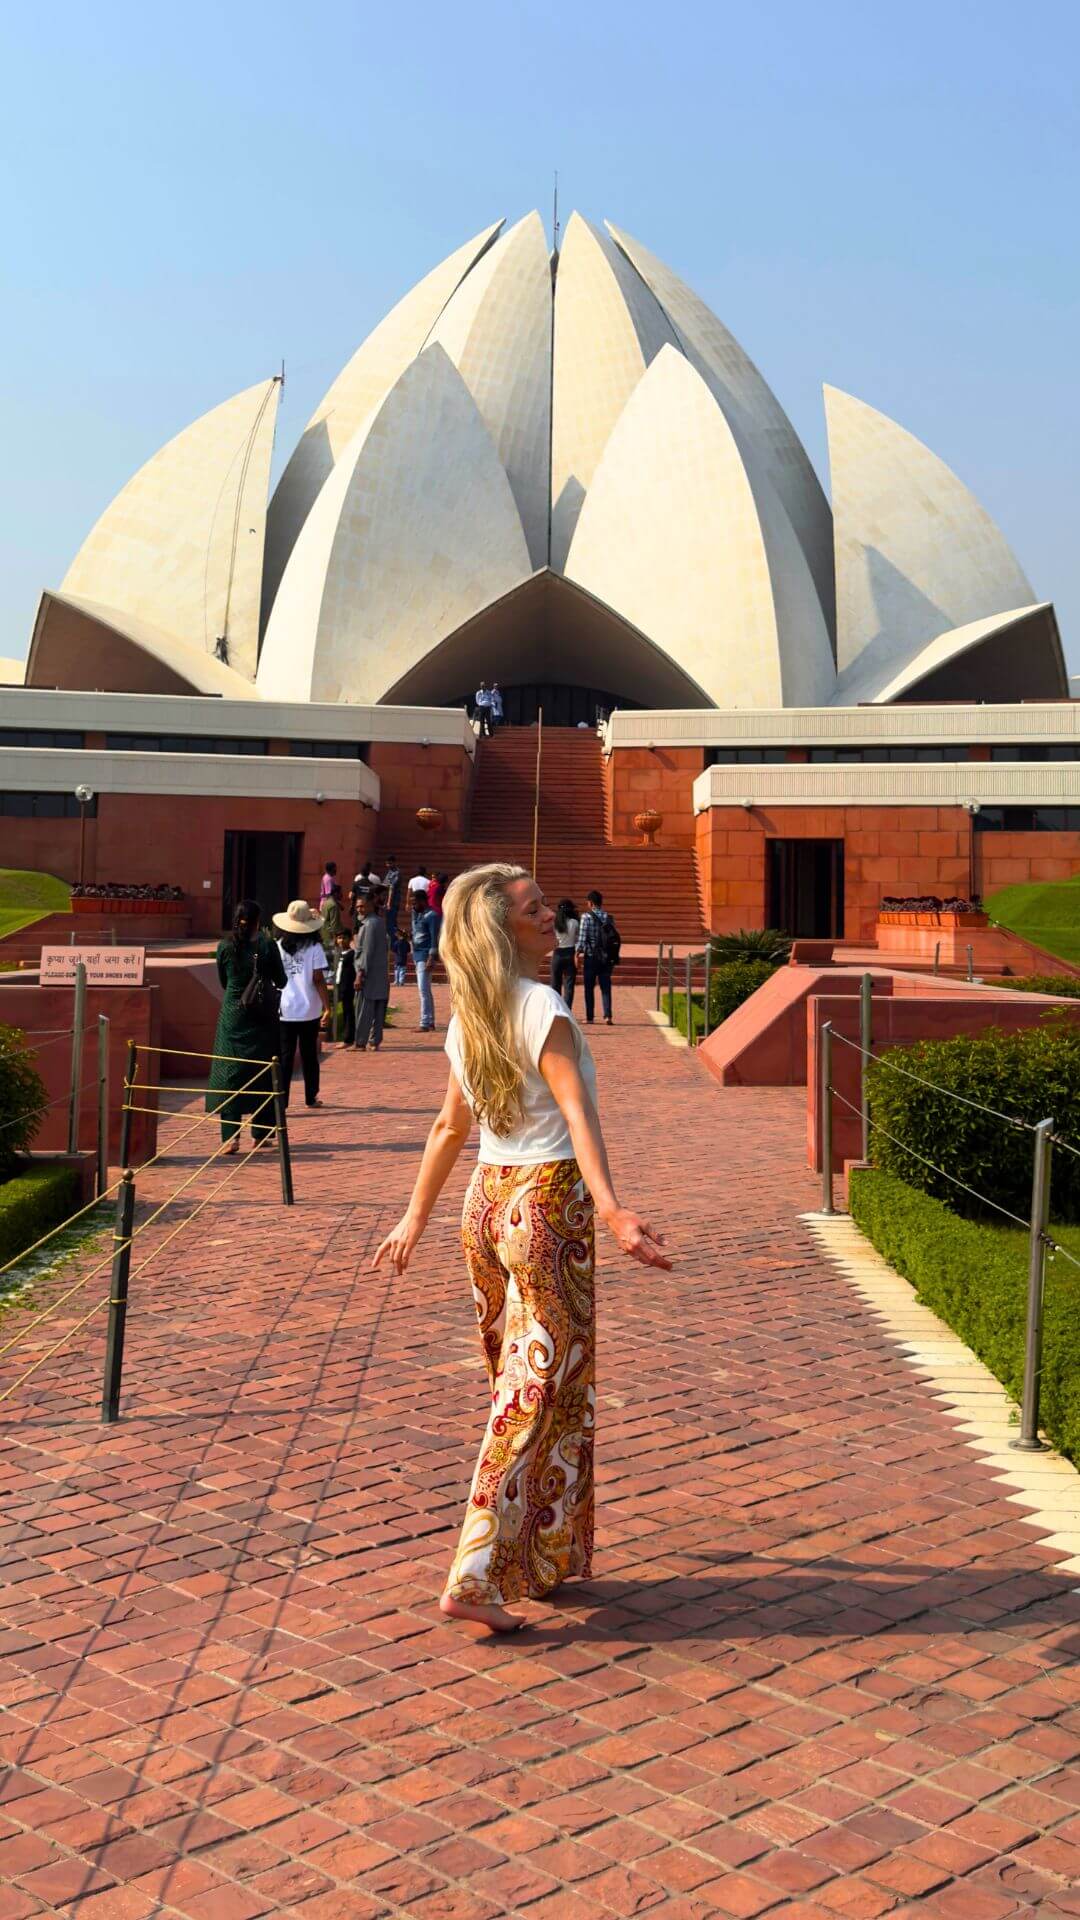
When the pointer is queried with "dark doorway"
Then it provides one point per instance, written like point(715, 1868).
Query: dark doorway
point(563, 706)
point(806, 888)
point(263, 867)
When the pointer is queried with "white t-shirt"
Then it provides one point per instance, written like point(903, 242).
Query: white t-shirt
point(542, 1134)
point(299, 998)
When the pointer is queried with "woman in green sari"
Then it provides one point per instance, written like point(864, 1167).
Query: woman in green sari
point(244, 1038)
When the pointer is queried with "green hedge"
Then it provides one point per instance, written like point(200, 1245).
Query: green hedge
point(31, 1203)
point(729, 986)
point(22, 1097)
point(1032, 1075)
point(1065, 985)
point(974, 1277)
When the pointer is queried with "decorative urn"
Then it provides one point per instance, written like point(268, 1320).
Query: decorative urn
point(429, 818)
point(648, 823)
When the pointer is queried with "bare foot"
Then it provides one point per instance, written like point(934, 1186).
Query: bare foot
point(496, 1618)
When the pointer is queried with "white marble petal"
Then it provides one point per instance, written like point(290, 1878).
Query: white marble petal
point(81, 644)
point(361, 385)
point(916, 555)
point(497, 330)
point(1034, 649)
point(414, 531)
point(181, 545)
point(608, 328)
point(762, 428)
point(678, 536)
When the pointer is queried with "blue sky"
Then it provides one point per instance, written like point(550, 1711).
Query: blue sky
point(883, 198)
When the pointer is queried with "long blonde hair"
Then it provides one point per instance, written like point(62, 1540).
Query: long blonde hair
point(481, 963)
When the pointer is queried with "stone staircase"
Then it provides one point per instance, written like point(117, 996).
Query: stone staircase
point(652, 891)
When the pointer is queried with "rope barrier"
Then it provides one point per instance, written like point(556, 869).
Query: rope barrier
point(63, 1225)
point(48, 1354)
point(186, 1053)
point(1056, 1247)
point(32, 1112)
point(162, 1244)
point(1067, 1144)
point(58, 1033)
point(886, 1060)
point(201, 1168)
point(47, 1312)
point(904, 1148)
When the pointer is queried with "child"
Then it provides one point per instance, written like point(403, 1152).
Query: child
point(402, 946)
point(346, 984)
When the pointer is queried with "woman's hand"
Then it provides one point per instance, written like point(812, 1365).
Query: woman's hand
point(400, 1241)
point(636, 1237)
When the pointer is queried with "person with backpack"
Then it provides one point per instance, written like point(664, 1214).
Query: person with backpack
point(598, 943)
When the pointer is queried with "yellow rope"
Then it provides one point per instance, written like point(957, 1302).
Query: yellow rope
point(186, 1053)
point(24, 1377)
point(201, 1168)
point(69, 1222)
point(47, 1312)
point(162, 1244)
point(200, 1087)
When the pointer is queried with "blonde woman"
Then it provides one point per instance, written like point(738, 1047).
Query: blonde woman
point(520, 1064)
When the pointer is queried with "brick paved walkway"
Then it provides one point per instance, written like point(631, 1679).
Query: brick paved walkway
point(822, 1668)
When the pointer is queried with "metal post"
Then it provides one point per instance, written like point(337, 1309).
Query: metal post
point(826, 1118)
point(125, 1110)
point(118, 1298)
point(689, 1000)
point(282, 1130)
point(671, 986)
point(1029, 1441)
point(77, 1028)
point(103, 1103)
point(971, 962)
point(659, 972)
point(866, 1042)
point(937, 956)
point(708, 983)
point(333, 1011)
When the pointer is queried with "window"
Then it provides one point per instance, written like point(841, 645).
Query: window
point(1027, 820)
point(885, 756)
point(1063, 750)
point(39, 737)
point(328, 749)
point(43, 806)
point(182, 743)
point(747, 757)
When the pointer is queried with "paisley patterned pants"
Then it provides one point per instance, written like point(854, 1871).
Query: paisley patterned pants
point(528, 1240)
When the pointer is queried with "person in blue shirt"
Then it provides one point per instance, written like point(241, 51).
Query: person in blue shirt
point(425, 947)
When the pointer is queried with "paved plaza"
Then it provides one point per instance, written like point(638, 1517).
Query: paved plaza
point(823, 1668)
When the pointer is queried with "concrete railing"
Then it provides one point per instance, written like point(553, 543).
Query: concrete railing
point(945, 784)
point(1037, 724)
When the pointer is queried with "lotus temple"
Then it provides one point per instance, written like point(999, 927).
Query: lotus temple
point(763, 702)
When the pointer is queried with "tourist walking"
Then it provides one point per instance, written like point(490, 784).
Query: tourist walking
point(564, 952)
point(520, 1063)
point(495, 702)
point(247, 1034)
point(328, 881)
point(304, 999)
point(373, 973)
point(401, 947)
point(482, 707)
point(598, 943)
point(425, 947)
point(345, 982)
point(392, 883)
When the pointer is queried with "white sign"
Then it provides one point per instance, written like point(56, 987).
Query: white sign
point(105, 966)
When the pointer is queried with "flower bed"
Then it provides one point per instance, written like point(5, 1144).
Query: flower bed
point(113, 897)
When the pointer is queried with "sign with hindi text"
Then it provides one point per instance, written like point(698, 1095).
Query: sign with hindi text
point(105, 966)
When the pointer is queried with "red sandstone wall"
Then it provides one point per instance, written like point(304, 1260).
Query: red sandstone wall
point(886, 850)
point(133, 1013)
point(412, 776)
point(153, 837)
point(635, 778)
point(1005, 858)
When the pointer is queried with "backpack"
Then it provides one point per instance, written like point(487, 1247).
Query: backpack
point(610, 942)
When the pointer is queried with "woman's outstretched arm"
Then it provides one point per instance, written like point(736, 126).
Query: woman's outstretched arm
point(445, 1141)
point(559, 1066)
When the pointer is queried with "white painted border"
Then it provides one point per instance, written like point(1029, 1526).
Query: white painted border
point(1044, 1484)
point(969, 725)
point(950, 783)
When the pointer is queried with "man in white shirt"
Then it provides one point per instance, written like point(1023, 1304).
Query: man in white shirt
point(482, 704)
point(418, 884)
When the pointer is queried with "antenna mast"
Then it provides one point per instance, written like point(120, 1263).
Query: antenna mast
point(555, 216)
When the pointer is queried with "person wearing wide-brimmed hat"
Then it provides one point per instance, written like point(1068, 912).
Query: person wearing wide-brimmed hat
point(304, 1000)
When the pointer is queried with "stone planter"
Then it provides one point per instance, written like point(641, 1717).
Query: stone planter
point(648, 823)
point(950, 920)
point(103, 904)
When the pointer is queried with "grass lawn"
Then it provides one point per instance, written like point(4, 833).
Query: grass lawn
point(26, 897)
point(1046, 912)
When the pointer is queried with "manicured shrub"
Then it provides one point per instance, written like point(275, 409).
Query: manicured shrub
point(1029, 1076)
point(751, 943)
point(974, 1276)
point(22, 1098)
point(1065, 985)
point(730, 985)
point(33, 1201)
